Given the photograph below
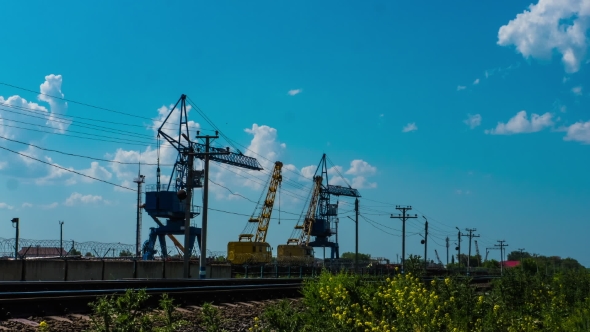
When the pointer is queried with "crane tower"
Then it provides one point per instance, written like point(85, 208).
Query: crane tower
point(252, 246)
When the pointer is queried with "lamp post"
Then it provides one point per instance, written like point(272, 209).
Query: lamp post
point(61, 233)
point(15, 224)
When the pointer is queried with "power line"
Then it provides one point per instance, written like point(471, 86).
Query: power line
point(81, 156)
point(65, 169)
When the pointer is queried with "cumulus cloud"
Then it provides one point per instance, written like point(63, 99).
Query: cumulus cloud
point(461, 87)
point(521, 124)
point(26, 205)
point(472, 120)
point(548, 26)
point(79, 199)
point(361, 167)
point(578, 132)
point(410, 127)
point(476, 82)
point(52, 87)
point(294, 92)
point(6, 206)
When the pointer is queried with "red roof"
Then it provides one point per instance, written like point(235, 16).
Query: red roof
point(42, 252)
point(511, 263)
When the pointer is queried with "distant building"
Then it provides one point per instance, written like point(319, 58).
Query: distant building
point(510, 263)
point(42, 252)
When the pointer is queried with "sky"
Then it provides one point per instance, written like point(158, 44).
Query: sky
point(475, 113)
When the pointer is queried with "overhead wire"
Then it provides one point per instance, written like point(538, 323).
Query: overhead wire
point(82, 156)
point(68, 170)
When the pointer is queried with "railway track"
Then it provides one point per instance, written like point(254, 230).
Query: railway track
point(19, 300)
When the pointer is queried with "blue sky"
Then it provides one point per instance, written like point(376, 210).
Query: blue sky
point(418, 104)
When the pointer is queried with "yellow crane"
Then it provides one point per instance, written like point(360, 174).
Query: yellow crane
point(297, 249)
point(252, 246)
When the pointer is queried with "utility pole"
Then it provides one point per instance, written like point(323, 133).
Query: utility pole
point(139, 180)
point(458, 248)
point(61, 236)
point(187, 216)
point(356, 236)
point(447, 251)
point(206, 155)
point(470, 235)
point(403, 218)
point(425, 241)
point(501, 245)
point(16, 224)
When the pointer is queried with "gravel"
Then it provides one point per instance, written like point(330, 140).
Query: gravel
point(235, 318)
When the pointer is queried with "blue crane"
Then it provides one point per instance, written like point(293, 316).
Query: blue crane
point(165, 200)
point(326, 212)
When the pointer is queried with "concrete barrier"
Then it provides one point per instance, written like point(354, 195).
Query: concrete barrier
point(84, 270)
point(11, 270)
point(174, 270)
point(58, 270)
point(150, 270)
point(118, 270)
point(46, 270)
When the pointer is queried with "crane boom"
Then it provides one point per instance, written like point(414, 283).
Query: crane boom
point(305, 227)
point(437, 258)
point(263, 220)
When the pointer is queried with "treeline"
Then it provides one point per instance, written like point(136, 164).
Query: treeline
point(527, 261)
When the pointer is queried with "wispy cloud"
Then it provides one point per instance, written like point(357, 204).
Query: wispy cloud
point(520, 124)
point(577, 90)
point(472, 120)
point(294, 92)
point(476, 81)
point(410, 127)
point(461, 87)
point(6, 206)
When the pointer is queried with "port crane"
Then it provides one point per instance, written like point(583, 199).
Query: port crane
point(438, 258)
point(327, 213)
point(297, 248)
point(165, 200)
point(252, 247)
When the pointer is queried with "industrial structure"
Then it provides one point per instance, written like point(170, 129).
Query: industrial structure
point(319, 222)
point(165, 200)
point(252, 247)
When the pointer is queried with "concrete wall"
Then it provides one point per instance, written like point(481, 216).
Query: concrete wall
point(150, 270)
point(10, 270)
point(46, 270)
point(114, 270)
point(84, 270)
point(58, 270)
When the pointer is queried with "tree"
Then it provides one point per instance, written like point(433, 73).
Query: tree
point(89, 254)
point(491, 264)
point(517, 255)
point(75, 252)
point(350, 255)
point(125, 253)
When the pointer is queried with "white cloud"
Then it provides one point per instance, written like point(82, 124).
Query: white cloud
point(294, 92)
point(549, 25)
point(565, 79)
point(521, 124)
point(410, 127)
point(3, 164)
point(578, 132)
point(462, 192)
point(52, 87)
point(6, 206)
point(577, 90)
point(476, 81)
point(95, 171)
point(381, 115)
point(79, 199)
point(559, 107)
point(26, 205)
point(501, 71)
point(472, 120)
point(461, 87)
point(361, 167)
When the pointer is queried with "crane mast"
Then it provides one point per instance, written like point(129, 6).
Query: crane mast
point(263, 220)
point(306, 226)
point(437, 257)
